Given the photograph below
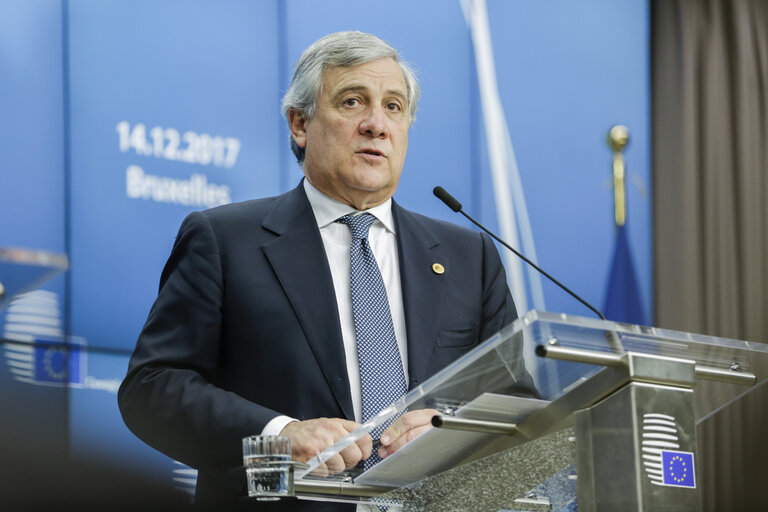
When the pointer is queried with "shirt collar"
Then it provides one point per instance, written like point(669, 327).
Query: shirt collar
point(327, 210)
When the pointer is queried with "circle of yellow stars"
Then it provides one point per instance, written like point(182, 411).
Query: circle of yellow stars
point(55, 363)
point(672, 471)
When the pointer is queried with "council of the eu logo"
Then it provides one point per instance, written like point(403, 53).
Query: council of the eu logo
point(664, 463)
point(678, 468)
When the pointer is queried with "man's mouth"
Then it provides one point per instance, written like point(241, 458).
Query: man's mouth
point(372, 152)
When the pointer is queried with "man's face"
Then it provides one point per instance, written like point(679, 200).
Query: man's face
point(356, 142)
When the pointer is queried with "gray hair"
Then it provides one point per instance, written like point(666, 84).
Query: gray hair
point(342, 49)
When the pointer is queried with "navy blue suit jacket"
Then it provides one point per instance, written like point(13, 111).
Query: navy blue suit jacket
point(245, 327)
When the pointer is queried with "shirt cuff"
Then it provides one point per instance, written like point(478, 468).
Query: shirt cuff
point(276, 425)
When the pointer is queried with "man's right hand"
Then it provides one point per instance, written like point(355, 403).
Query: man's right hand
point(310, 437)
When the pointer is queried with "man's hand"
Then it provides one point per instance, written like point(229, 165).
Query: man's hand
point(310, 437)
point(408, 427)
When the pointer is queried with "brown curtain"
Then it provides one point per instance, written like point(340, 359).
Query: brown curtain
point(710, 171)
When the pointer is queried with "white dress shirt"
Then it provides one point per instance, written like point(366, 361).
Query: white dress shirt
point(336, 240)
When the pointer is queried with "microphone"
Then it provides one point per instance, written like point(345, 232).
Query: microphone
point(455, 205)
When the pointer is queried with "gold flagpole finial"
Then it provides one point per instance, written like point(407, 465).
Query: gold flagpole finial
point(618, 138)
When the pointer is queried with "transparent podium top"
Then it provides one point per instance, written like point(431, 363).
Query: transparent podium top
point(503, 380)
point(24, 269)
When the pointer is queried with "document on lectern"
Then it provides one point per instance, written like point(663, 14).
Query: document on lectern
point(440, 449)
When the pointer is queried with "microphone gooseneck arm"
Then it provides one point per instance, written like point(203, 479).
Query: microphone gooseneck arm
point(455, 205)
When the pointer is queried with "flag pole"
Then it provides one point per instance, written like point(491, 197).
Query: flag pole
point(618, 138)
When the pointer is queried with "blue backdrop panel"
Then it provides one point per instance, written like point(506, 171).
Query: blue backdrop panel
point(174, 108)
point(32, 149)
point(567, 72)
point(31, 126)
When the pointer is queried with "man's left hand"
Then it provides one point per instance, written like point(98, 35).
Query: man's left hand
point(405, 429)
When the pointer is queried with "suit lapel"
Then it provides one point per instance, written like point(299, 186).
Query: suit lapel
point(423, 290)
point(298, 258)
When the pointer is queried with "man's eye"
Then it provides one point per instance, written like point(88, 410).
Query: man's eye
point(393, 107)
point(351, 102)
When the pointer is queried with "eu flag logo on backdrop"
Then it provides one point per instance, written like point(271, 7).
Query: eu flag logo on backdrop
point(58, 362)
point(678, 468)
point(622, 298)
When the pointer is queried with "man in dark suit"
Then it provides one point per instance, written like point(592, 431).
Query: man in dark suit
point(252, 331)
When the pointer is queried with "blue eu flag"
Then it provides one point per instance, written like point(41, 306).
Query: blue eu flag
point(622, 299)
point(678, 468)
point(57, 362)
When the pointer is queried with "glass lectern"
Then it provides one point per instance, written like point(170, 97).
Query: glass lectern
point(22, 270)
point(613, 422)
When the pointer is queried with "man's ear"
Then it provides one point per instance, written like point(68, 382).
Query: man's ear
point(298, 126)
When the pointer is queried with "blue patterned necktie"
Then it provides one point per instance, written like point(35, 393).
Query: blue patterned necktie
point(381, 370)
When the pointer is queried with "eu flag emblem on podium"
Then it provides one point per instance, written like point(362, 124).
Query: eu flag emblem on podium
point(678, 469)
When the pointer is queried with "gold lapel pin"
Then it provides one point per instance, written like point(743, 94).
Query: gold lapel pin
point(438, 268)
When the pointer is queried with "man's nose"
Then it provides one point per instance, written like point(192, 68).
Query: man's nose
point(374, 122)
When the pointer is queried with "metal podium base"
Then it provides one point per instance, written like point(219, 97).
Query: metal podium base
point(635, 451)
